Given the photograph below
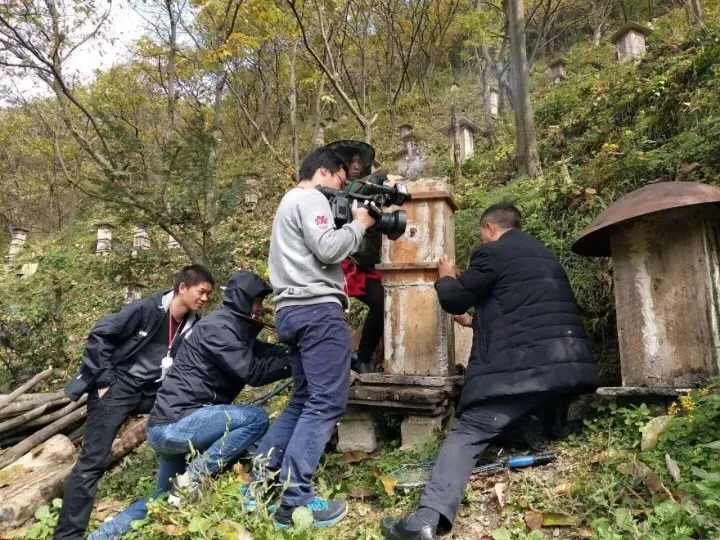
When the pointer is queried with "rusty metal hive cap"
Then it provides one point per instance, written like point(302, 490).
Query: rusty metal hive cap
point(595, 239)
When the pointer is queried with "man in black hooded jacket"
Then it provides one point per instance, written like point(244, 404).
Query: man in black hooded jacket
point(193, 411)
point(193, 408)
point(529, 347)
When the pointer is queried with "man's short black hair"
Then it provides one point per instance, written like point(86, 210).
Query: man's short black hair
point(319, 158)
point(193, 274)
point(504, 215)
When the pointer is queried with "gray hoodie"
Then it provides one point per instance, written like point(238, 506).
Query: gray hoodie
point(306, 250)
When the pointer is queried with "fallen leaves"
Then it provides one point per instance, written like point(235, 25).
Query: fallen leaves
point(356, 456)
point(241, 474)
point(231, 530)
point(638, 470)
point(534, 520)
point(652, 430)
point(361, 493)
point(500, 489)
point(388, 483)
point(673, 468)
point(557, 519)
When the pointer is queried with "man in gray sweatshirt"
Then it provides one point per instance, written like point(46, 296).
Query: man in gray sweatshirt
point(306, 250)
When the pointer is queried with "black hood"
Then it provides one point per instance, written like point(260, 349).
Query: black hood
point(241, 289)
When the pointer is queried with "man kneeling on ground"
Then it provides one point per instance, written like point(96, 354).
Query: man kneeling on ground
point(529, 347)
point(193, 411)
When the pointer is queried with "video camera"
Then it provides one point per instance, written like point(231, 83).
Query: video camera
point(372, 192)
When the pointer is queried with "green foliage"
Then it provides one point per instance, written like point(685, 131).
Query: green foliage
point(45, 521)
point(637, 489)
point(133, 479)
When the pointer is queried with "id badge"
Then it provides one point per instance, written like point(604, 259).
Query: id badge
point(165, 364)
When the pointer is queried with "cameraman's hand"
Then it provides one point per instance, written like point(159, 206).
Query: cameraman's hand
point(361, 214)
point(463, 320)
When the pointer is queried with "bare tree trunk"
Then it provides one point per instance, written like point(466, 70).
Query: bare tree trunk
point(597, 35)
point(455, 133)
point(528, 159)
point(172, 55)
point(211, 202)
point(487, 76)
point(318, 137)
point(693, 10)
point(292, 98)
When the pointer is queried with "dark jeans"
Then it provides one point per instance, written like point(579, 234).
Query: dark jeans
point(221, 432)
point(105, 416)
point(321, 375)
point(373, 328)
point(467, 440)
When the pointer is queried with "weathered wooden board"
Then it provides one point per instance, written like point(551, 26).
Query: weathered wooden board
point(667, 289)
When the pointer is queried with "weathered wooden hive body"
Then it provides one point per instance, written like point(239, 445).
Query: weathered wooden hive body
point(664, 240)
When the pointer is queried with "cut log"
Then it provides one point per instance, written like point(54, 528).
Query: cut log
point(4, 402)
point(33, 480)
point(38, 476)
point(41, 436)
point(32, 414)
point(23, 405)
point(47, 419)
point(131, 434)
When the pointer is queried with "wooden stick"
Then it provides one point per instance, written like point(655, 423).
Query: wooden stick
point(8, 425)
point(41, 436)
point(70, 407)
point(4, 402)
point(15, 409)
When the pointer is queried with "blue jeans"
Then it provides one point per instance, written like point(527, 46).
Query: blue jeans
point(321, 375)
point(220, 432)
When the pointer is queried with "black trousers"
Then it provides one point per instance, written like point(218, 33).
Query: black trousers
point(105, 416)
point(467, 440)
point(374, 321)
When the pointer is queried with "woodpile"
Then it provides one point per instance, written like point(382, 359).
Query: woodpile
point(40, 434)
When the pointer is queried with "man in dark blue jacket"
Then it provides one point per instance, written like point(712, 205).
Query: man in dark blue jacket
point(194, 410)
point(121, 371)
point(529, 347)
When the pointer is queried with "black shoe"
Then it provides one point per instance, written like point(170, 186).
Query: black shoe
point(395, 529)
point(326, 513)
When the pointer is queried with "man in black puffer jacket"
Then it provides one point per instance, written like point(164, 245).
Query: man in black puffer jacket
point(529, 347)
point(194, 410)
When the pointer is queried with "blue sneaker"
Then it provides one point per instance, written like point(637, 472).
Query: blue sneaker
point(249, 501)
point(325, 513)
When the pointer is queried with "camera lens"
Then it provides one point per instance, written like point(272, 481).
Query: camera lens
point(392, 224)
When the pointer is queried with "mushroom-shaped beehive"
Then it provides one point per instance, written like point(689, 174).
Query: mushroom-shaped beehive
point(664, 240)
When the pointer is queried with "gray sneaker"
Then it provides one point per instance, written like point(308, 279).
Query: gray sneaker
point(183, 488)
